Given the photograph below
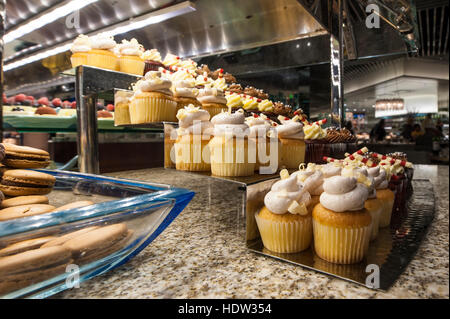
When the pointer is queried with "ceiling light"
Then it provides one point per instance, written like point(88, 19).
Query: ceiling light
point(123, 27)
point(45, 18)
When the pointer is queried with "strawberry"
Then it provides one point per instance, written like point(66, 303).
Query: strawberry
point(20, 97)
point(110, 107)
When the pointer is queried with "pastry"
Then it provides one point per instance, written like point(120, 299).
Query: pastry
point(203, 80)
point(24, 200)
point(24, 211)
point(250, 105)
point(130, 60)
point(122, 108)
point(234, 100)
point(32, 266)
point(24, 245)
point(255, 201)
point(25, 157)
point(342, 226)
point(19, 182)
point(284, 223)
point(212, 99)
point(152, 60)
point(45, 110)
point(80, 48)
point(290, 133)
point(251, 91)
point(220, 84)
point(203, 70)
point(262, 95)
point(78, 204)
point(230, 146)
point(316, 142)
point(194, 133)
point(170, 61)
point(153, 100)
point(60, 240)
point(101, 55)
point(383, 194)
point(184, 90)
point(235, 88)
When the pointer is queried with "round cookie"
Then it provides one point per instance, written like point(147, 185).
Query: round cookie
point(19, 182)
point(24, 211)
point(78, 204)
point(24, 200)
point(24, 245)
point(24, 157)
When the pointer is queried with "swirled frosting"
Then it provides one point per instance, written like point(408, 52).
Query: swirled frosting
point(171, 59)
point(211, 95)
point(291, 129)
point(183, 84)
point(193, 120)
point(188, 64)
point(202, 80)
point(314, 131)
point(379, 177)
point(234, 100)
point(220, 83)
point(151, 55)
point(233, 124)
point(287, 196)
point(362, 176)
point(258, 125)
point(250, 103)
point(131, 47)
point(81, 44)
point(343, 194)
point(314, 175)
point(265, 106)
point(153, 81)
point(103, 42)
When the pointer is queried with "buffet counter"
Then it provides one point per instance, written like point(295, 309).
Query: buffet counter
point(202, 254)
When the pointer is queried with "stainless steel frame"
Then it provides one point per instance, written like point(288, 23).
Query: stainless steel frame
point(2, 33)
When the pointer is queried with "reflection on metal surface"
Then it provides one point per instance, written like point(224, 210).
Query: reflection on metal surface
point(392, 251)
point(337, 102)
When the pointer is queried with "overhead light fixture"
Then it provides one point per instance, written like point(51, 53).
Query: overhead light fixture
point(45, 18)
point(390, 105)
point(119, 28)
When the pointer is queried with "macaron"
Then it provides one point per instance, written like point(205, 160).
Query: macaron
point(25, 157)
point(24, 200)
point(20, 182)
point(24, 245)
point(24, 211)
point(66, 237)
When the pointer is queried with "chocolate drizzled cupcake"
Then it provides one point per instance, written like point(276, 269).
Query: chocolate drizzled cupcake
point(229, 79)
point(262, 95)
point(236, 88)
point(250, 90)
point(202, 69)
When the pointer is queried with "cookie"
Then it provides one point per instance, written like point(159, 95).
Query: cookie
point(20, 182)
point(62, 239)
point(24, 211)
point(24, 200)
point(96, 241)
point(32, 266)
point(25, 157)
point(24, 245)
point(73, 205)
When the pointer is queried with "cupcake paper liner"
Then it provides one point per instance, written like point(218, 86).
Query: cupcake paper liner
point(341, 245)
point(169, 152)
point(229, 158)
point(214, 110)
point(104, 61)
point(267, 147)
point(192, 156)
point(285, 237)
point(316, 151)
point(78, 59)
point(375, 214)
point(131, 65)
point(386, 213)
point(122, 114)
point(293, 153)
point(151, 109)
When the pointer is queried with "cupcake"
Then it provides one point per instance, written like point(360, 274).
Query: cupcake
point(194, 133)
point(373, 204)
point(230, 146)
point(235, 88)
point(251, 91)
point(130, 60)
point(291, 136)
point(342, 226)
point(220, 84)
point(183, 88)
point(316, 143)
point(250, 105)
point(152, 101)
point(170, 61)
point(383, 194)
point(188, 64)
point(267, 154)
point(234, 100)
point(122, 108)
point(80, 48)
point(101, 55)
point(203, 80)
point(212, 99)
point(284, 223)
point(152, 60)
point(255, 201)
point(266, 107)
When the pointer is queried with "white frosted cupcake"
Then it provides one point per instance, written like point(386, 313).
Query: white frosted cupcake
point(383, 194)
point(212, 99)
point(183, 88)
point(342, 226)
point(291, 136)
point(130, 60)
point(284, 223)
point(194, 133)
point(80, 48)
point(101, 55)
point(229, 148)
point(152, 100)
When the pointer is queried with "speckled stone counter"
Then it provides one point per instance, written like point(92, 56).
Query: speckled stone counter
point(202, 255)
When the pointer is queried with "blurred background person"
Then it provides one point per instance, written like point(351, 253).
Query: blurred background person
point(408, 129)
point(349, 126)
point(417, 132)
point(378, 133)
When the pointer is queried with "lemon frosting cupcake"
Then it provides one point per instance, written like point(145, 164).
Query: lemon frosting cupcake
point(234, 100)
point(80, 48)
point(101, 55)
point(212, 99)
point(342, 226)
point(194, 133)
point(229, 148)
point(284, 223)
point(152, 100)
point(130, 60)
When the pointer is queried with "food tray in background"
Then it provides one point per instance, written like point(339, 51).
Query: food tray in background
point(391, 251)
point(145, 208)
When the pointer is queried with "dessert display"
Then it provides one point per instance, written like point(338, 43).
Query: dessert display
point(80, 48)
point(152, 100)
point(193, 136)
point(284, 223)
point(130, 59)
point(102, 54)
point(230, 146)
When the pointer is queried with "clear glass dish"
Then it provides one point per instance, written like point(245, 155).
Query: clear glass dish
point(146, 209)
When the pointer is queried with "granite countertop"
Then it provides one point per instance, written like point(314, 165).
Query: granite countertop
point(202, 255)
